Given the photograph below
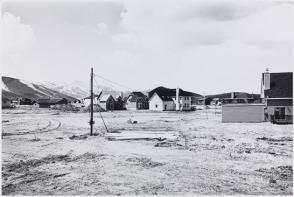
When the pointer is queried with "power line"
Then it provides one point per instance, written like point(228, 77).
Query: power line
point(98, 106)
point(113, 82)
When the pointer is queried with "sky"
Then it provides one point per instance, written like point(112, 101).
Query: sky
point(204, 46)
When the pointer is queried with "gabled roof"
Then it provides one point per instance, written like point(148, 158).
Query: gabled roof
point(139, 94)
point(104, 97)
point(134, 96)
point(165, 93)
point(281, 85)
point(163, 97)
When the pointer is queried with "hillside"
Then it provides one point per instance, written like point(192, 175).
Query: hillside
point(237, 95)
point(14, 88)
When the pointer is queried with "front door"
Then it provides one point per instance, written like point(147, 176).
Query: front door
point(279, 113)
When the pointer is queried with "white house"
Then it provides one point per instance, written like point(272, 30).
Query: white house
point(164, 103)
point(165, 99)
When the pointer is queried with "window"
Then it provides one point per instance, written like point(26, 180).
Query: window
point(279, 113)
point(156, 106)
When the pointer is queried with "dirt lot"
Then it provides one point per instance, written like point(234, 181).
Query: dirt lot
point(48, 152)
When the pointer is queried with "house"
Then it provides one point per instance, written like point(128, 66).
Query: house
point(106, 102)
point(26, 101)
point(78, 103)
point(137, 101)
point(275, 103)
point(165, 99)
point(197, 101)
point(119, 103)
point(215, 101)
point(87, 101)
point(277, 94)
point(46, 103)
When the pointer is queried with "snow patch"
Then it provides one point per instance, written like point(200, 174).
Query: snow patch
point(4, 87)
point(30, 85)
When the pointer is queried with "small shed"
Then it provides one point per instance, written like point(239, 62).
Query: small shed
point(243, 113)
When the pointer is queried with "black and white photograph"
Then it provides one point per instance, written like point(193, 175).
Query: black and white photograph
point(146, 97)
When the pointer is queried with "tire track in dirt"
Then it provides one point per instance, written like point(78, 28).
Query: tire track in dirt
point(51, 125)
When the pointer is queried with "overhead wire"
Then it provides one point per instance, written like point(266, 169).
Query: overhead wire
point(113, 82)
point(100, 111)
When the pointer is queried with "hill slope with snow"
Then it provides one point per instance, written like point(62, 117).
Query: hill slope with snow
point(14, 88)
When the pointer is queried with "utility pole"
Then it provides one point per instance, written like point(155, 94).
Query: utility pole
point(91, 105)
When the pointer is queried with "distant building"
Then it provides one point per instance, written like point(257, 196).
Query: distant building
point(165, 99)
point(107, 102)
point(137, 101)
point(78, 103)
point(46, 103)
point(26, 101)
point(87, 101)
point(119, 103)
point(277, 94)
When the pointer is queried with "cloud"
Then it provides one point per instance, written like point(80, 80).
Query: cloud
point(160, 42)
point(221, 11)
point(18, 38)
point(102, 28)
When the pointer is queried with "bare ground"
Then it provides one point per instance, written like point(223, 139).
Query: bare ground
point(48, 152)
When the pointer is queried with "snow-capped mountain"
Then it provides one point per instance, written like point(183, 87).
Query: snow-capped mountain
point(79, 89)
point(16, 88)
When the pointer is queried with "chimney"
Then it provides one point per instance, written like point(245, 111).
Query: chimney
point(178, 98)
point(266, 80)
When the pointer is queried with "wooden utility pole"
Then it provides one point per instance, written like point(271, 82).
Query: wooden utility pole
point(91, 105)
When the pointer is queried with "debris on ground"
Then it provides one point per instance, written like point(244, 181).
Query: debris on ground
point(60, 175)
point(278, 173)
point(144, 162)
point(36, 139)
point(281, 139)
point(130, 121)
point(114, 131)
point(26, 165)
point(78, 137)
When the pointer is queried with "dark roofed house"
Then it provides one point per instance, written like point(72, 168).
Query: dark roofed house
point(277, 94)
point(165, 99)
point(137, 101)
